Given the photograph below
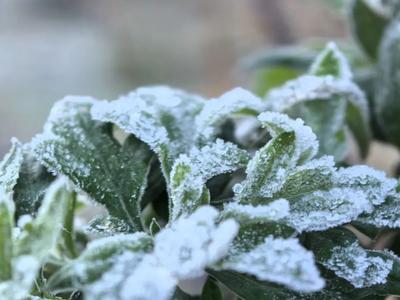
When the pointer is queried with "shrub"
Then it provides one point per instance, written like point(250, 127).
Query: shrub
point(238, 194)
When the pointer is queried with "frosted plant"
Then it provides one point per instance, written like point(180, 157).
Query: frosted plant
point(197, 202)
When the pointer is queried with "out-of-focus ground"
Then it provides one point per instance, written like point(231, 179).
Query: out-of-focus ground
point(49, 49)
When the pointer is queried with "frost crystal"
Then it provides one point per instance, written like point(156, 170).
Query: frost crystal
point(283, 261)
point(216, 111)
point(10, 167)
point(331, 61)
point(326, 209)
point(385, 215)
point(191, 244)
point(274, 211)
point(355, 265)
point(190, 173)
point(159, 116)
point(311, 87)
point(374, 184)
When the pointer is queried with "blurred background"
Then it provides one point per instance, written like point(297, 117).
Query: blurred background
point(49, 48)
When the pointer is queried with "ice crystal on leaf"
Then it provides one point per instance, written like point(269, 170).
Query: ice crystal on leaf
point(353, 263)
point(10, 167)
point(282, 261)
point(216, 111)
point(191, 172)
point(159, 116)
point(201, 243)
point(327, 100)
point(74, 145)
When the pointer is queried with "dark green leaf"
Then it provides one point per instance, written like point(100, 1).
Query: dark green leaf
point(211, 290)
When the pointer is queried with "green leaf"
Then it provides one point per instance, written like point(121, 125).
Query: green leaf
point(161, 117)
point(84, 150)
point(266, 79)
point(191, 172)
point(31, 186)
point(368, 25)
point(10, 167)
point(387, 106)
point(99, 258)
point(326, 99)
point(216, 111)
point(181, 295)
point(282, 261)
point(6, 238)
point(338, 250)
point(40, 237)
point(211, 291)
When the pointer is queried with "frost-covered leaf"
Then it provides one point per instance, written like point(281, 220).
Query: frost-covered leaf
point(31, 186)
point(99, 258)
point(331, 62)
point(286, 183)
point(386, 214)
point(368, 20)
point(25, 269)
point(338, 250)
point(40, 237)
point(6, 238)
point(74, 145)
point(190, 244)
point(282, 261)
point(216, 111)
point(10, 167)
point(292, 143)
point(160, 116)
point(325, 99)
point(386, 104)
point(191, 172)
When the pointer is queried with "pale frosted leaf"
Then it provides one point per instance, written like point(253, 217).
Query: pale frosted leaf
point(331, 61)
point(41, 236)
point(325, 209)
point(101, 256)
point(274, 211)
point(216, 111)
point(10, 167)
point(373, 183)
point(84, 150)
point(190, 244)
point(386, 214)
point(31, 186)
point(328, 105)
point(191, 172)
point(6, 238)
point(353, 263)
point(282, 261)
point(160, 116)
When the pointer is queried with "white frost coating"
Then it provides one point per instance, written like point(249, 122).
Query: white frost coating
point(10, 167)
point(273, 211)
point(156, 115)
point(25, 269)
point(310, 87)
point(385, 215)
point(283, 261)
point(63, 116)
point(321, 210)
point(191, 244)
point(353, 264)
point(132, 276)
point(374, 184)
point(306, 140)
point(191, 172)
point(343, 64)
point(325, 162)
point(216, 111)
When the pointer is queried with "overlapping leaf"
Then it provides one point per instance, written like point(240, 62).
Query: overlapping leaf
point(312, 194)
point(328, 101)
point(84, 150)
point(191, 172)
